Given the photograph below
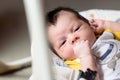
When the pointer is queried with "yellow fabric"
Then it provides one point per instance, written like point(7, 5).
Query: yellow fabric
point(73, 64)
point(76, 66)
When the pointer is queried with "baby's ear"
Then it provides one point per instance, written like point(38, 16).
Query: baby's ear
point(93, 27)
point(93, 22)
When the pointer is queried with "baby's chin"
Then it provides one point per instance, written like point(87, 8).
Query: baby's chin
point(73, 58)
point(91, 45)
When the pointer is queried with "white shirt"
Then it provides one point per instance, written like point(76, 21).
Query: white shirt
point(107, 49)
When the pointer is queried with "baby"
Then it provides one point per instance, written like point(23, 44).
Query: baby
point(73, 39)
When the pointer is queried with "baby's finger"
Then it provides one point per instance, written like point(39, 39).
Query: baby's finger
point(91, 21)
point(87, 42)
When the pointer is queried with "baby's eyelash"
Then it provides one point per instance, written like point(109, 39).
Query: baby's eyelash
point(63, 42)
point(76, 29)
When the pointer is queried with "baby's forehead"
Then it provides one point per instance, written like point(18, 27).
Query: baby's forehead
point(51, 31)
point(63, 12)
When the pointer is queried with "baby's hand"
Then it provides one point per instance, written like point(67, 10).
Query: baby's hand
point(98, 25)
point(82, 49)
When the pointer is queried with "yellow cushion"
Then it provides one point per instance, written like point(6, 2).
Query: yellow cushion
point(73, 64)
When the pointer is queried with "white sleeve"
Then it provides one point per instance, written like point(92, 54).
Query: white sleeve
point(106, 35)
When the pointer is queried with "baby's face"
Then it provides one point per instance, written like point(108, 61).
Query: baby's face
point(67, 32)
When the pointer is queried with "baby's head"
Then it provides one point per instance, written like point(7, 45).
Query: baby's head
point(65, 27)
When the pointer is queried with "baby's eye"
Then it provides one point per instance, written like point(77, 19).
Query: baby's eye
point(63, 42)
point(77, 28)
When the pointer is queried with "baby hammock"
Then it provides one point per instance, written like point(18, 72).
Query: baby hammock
point(41, 70)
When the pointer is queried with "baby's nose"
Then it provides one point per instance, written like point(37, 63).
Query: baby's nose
point(73, 39)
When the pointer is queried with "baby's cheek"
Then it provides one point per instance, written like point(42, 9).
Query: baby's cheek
point(68, 52)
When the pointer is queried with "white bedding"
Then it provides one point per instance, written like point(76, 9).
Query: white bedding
point(112, 15)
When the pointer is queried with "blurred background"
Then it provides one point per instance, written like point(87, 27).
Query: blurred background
point(81, 5)
point(14, 35)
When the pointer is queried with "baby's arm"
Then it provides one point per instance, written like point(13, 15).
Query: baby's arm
point(100, 25)
point(83, 51)
point(114, 26)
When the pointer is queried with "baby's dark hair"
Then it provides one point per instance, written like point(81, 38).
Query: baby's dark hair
point(51, 18)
